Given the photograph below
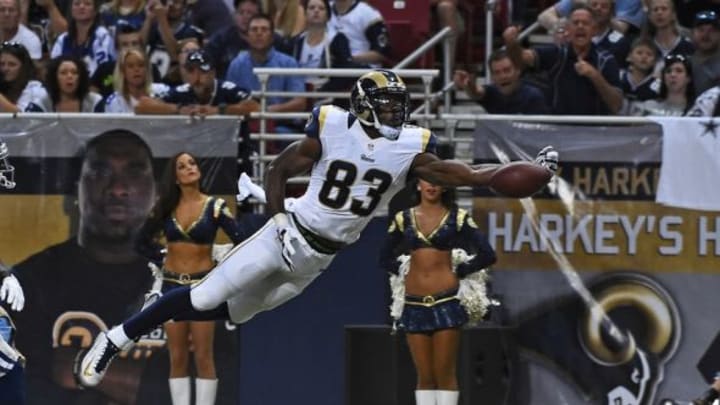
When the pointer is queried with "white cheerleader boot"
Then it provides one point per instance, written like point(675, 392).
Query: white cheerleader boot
point(425, 397)
point(180, 390)
point(447, 397)
point(205, 391)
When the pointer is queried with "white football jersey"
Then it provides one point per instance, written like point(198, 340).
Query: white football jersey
point(355, 174)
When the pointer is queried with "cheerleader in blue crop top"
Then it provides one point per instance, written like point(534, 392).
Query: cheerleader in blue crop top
point(188, 219)
point(431, 238)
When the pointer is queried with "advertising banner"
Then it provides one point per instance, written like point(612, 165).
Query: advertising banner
point(68, 232)
point(609, 291)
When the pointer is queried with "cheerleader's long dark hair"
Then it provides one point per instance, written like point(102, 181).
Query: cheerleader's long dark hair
point(168, 195)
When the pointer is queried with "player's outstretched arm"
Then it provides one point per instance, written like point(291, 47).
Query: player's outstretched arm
point(296, 159)
point(452, 173)
point(514, 179)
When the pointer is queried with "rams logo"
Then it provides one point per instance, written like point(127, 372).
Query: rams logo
point(78, 329)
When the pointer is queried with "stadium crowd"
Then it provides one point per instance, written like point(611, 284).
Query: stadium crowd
point(624, 57)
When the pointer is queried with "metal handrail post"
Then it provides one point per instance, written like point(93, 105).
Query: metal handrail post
point(427, 84)
point(489, 10)
point(446, 71)
point(263, 78)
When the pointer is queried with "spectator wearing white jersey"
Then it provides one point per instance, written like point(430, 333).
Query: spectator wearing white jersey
point(11, 30)
point(321, 47)
point(68, 88)
point(365, 29)
point(85, 37)
point(707, 104)
point(132, 81)
point(676, 94)
point(17, 71)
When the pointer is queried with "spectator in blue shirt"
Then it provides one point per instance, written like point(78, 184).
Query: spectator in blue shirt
point(584, 80)
point(507, 94)
point(262, 54)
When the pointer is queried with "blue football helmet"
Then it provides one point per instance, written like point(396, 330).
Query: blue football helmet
point(376, 89)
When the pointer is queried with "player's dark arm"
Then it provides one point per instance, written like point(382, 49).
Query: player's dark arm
point(451, 173)
point(296, 159)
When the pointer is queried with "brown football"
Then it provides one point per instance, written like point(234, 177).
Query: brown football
point(520, 179)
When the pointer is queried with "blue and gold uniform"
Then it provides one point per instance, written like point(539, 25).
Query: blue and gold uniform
point(215, 214)
point(456, 230)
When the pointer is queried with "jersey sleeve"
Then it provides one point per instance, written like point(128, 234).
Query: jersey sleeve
point(225, 219)
point(33, 107)
point(176, 95)
point(377, 35)
point(474, 242)
point(315, 121)
point(392, 246)
point(429, 142)
point(234, 93)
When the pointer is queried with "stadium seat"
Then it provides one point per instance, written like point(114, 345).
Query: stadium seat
point(408, 25)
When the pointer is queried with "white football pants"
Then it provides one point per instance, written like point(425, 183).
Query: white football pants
point(253, 277)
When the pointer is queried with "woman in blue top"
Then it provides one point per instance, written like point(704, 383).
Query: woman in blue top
point(430, 305)
point(188, 219)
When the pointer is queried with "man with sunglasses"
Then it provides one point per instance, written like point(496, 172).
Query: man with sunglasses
point(706, 59)
point(203, 94)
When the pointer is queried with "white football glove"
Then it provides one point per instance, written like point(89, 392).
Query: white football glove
point(548, 157)
point(150, 298)
point(219, 251)
point(12, 293)
point(288, 236)
point(247, 188)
